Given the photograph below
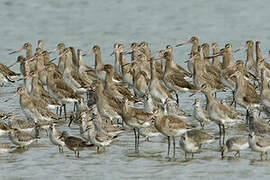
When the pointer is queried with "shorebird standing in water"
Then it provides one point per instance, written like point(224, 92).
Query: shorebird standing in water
point(259, 144)
point(75, 144)
point(21, 139)
point(237, 144)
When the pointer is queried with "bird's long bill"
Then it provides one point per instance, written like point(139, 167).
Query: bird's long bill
point(216, 55)
point(15, 94)
point(18, 50)
point(25, 77)
point(234, 74)
point(129, 51)
point(42, 69)
point(131, 62)
point(13, 64)
point(61, 55)
point(53, 59)
point(198, 91)
point(158, 57)
point(31, 59)
point(114, 51)
point(184, 43)
point(53, 51)
point(190, 60)
point(212, 47)
point(239, 49)
point(126, 64)
point(231, 65)
point(151, 116)
point(88, 53)
point(62, 135)
point(267, 57)
point(99, 69)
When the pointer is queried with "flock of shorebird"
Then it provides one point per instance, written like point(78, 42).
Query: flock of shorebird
point(140, 95)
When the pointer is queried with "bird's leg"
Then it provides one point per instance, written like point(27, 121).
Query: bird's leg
point(177, 98)
point(169, 145)
point(261, 156)
point(173, 147)
point(97, 149)
point(202, 125)
point(266, 155)
point(60, 111)
point(46, 130)
point(247, 115)
point(65, 111)
point(87, 95)
point(135, 135)
point(185, 155)
point(78, 153)
point(223, 126)
point(74, 106)
point(138, 141)
point(192, 155)
point(57, 108)
point(235, 155)
point(219, 134)
point(233, 98)
point(104, 149)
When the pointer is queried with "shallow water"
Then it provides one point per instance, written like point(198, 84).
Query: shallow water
point(84, 23)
